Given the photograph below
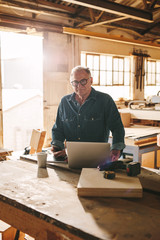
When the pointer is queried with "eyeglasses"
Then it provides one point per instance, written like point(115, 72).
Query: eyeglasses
point(83, 82)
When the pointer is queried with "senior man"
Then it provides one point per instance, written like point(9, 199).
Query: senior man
point(87, 115)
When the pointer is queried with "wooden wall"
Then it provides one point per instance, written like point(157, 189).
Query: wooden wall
point(57, 50)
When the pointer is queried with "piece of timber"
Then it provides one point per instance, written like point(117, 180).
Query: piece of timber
point(93, 184)
point(149, 140)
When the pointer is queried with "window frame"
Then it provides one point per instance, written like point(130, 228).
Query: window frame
point(155, 73)
point(98, 82)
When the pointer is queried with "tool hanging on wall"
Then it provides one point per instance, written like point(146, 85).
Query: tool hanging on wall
point(139, 60)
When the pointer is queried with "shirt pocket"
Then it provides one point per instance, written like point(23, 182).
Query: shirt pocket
point(68, 119)
point(94, 126)
point(69, 126)
point(92, 117)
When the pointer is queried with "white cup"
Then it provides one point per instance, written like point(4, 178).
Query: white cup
point(42, 159)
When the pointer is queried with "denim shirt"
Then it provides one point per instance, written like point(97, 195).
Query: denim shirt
point(90, 122)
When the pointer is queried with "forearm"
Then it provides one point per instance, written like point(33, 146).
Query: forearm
point(57, 138)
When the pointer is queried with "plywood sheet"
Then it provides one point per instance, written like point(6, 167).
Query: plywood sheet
point(93, 184)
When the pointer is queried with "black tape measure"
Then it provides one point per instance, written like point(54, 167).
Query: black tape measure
point(109, 174)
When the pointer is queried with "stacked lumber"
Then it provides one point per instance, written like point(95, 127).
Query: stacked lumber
point(4, 153)
point(146, 141)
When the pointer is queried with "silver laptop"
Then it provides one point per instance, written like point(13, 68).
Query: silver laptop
point(86, 154)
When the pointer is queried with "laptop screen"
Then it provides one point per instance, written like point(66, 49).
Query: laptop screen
point(87, 154)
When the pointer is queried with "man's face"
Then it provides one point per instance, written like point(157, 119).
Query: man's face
point(80, 89)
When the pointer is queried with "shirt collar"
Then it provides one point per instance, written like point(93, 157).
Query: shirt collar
point(92, 95)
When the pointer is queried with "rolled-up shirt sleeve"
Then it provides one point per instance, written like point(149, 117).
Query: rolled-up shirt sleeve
point(115, 125)
point(57, 130)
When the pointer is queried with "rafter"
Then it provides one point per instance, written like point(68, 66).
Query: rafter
point(99, 16)
point(115, 8)
point(152, 4)
point(91, 13)
point(109, 37)
point(105, 22)
point(78, 11)
point(151, 26)
point(23, 23)
point(42, 5)
point(145, 4)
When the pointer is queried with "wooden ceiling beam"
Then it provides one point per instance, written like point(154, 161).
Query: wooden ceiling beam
point(105, 22)
point(91, 13)
point(152, 4)
point(115, 8)
point(55, 5)
point(77, 12)
point(145, 4)
point(19, 22)
point(39, 5)
point(99, 16)
point(151, 26)
point(108, 37)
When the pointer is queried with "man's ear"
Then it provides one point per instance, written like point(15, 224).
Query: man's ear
point(91, 80)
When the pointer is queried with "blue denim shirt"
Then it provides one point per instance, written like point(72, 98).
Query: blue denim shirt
point(90, 122)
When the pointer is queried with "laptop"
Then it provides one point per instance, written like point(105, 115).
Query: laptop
point(86, 154)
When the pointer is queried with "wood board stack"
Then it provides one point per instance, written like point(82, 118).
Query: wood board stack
point(93, 184)
point(4, 153)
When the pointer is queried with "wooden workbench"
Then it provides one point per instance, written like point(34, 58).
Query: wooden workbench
point(137, 151)
point(49, 208)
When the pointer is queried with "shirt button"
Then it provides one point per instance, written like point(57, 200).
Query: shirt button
point(79, 126)
point(79, 114)
point(78, 138)
point(92, 119)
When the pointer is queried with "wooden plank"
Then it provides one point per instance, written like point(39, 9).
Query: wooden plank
point(147, 140)
point(108, 37)
point(39, 229)
point(93, 184)
point(37, 141)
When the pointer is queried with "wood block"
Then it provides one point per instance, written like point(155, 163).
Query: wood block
point(35, 138)
point(126, 119)
point(150, 140)
point(148, 159)
point(93, 184)
point(158, 158)
point(37, 141)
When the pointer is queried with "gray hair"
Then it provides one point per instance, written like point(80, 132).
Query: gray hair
point(79, 69)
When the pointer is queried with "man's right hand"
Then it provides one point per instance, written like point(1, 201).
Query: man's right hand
point(59, 153)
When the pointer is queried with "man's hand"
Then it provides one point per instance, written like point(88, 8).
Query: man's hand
point(58, 153)
point(111, 163)
point(114, 155)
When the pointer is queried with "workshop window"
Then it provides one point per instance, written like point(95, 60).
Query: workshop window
point(152, 73)
point(107, 70)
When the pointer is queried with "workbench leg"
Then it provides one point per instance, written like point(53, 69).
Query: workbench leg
point(137, 156)
point(155, 159)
